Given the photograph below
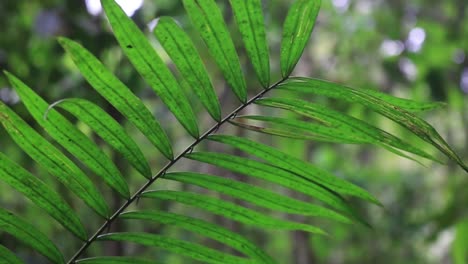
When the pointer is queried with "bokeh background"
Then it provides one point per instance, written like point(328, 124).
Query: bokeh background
point(414, 49)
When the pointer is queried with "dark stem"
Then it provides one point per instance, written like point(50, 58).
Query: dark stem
point(136, 196)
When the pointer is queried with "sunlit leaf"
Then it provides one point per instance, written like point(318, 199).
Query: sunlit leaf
point(249, 18)
point(296, 32)
point(191, 250)
point(73, 140)
point(184, 55)
point(52, 160)
point(41, 195)
point(208, 20)
point(111, 88)
point(255, 195)
point(203, 228)
point(108, 129)
point(150, 66)
point(29, 235)
point(230, 210)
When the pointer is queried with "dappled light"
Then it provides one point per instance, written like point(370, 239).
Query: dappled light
point(129, 6)
point(416, 38)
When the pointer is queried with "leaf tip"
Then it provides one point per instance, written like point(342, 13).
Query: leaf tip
point(62, 40)
point(7, 74)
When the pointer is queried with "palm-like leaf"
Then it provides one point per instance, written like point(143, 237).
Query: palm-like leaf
point(207, 18)
point(276, 167)
point(29, 235)
point(48, 156)
point(150, 66)
point(108, 129)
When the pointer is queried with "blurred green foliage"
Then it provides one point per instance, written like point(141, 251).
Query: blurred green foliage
point(414, 49)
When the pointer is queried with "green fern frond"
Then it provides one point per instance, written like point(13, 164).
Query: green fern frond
point(259, 161)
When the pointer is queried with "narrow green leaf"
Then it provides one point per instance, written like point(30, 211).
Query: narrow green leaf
point(7, 257)
point(115, 260)
point(50, 158)
point(273, 174)
point(286, 133)
point(335, 134)
point(230, 210)
point(41, 195)
point(191, 250)
point(67, 135)
point(111, 88)
point(460, 243)
point(208, 20)
point(416, 125)
point(204, 228)
point(405, 104)
point(150, 66)
point(249, 18)
point(185, 56)
point(296, 32)
point(367, 132)
point(290, 163)
point(255, 195)
point(108, 129)
point(305, 134)
point(29, 235)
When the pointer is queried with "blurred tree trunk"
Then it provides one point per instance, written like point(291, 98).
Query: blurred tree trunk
point(302, 252)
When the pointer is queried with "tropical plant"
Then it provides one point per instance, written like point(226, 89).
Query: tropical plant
point(310, 121)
